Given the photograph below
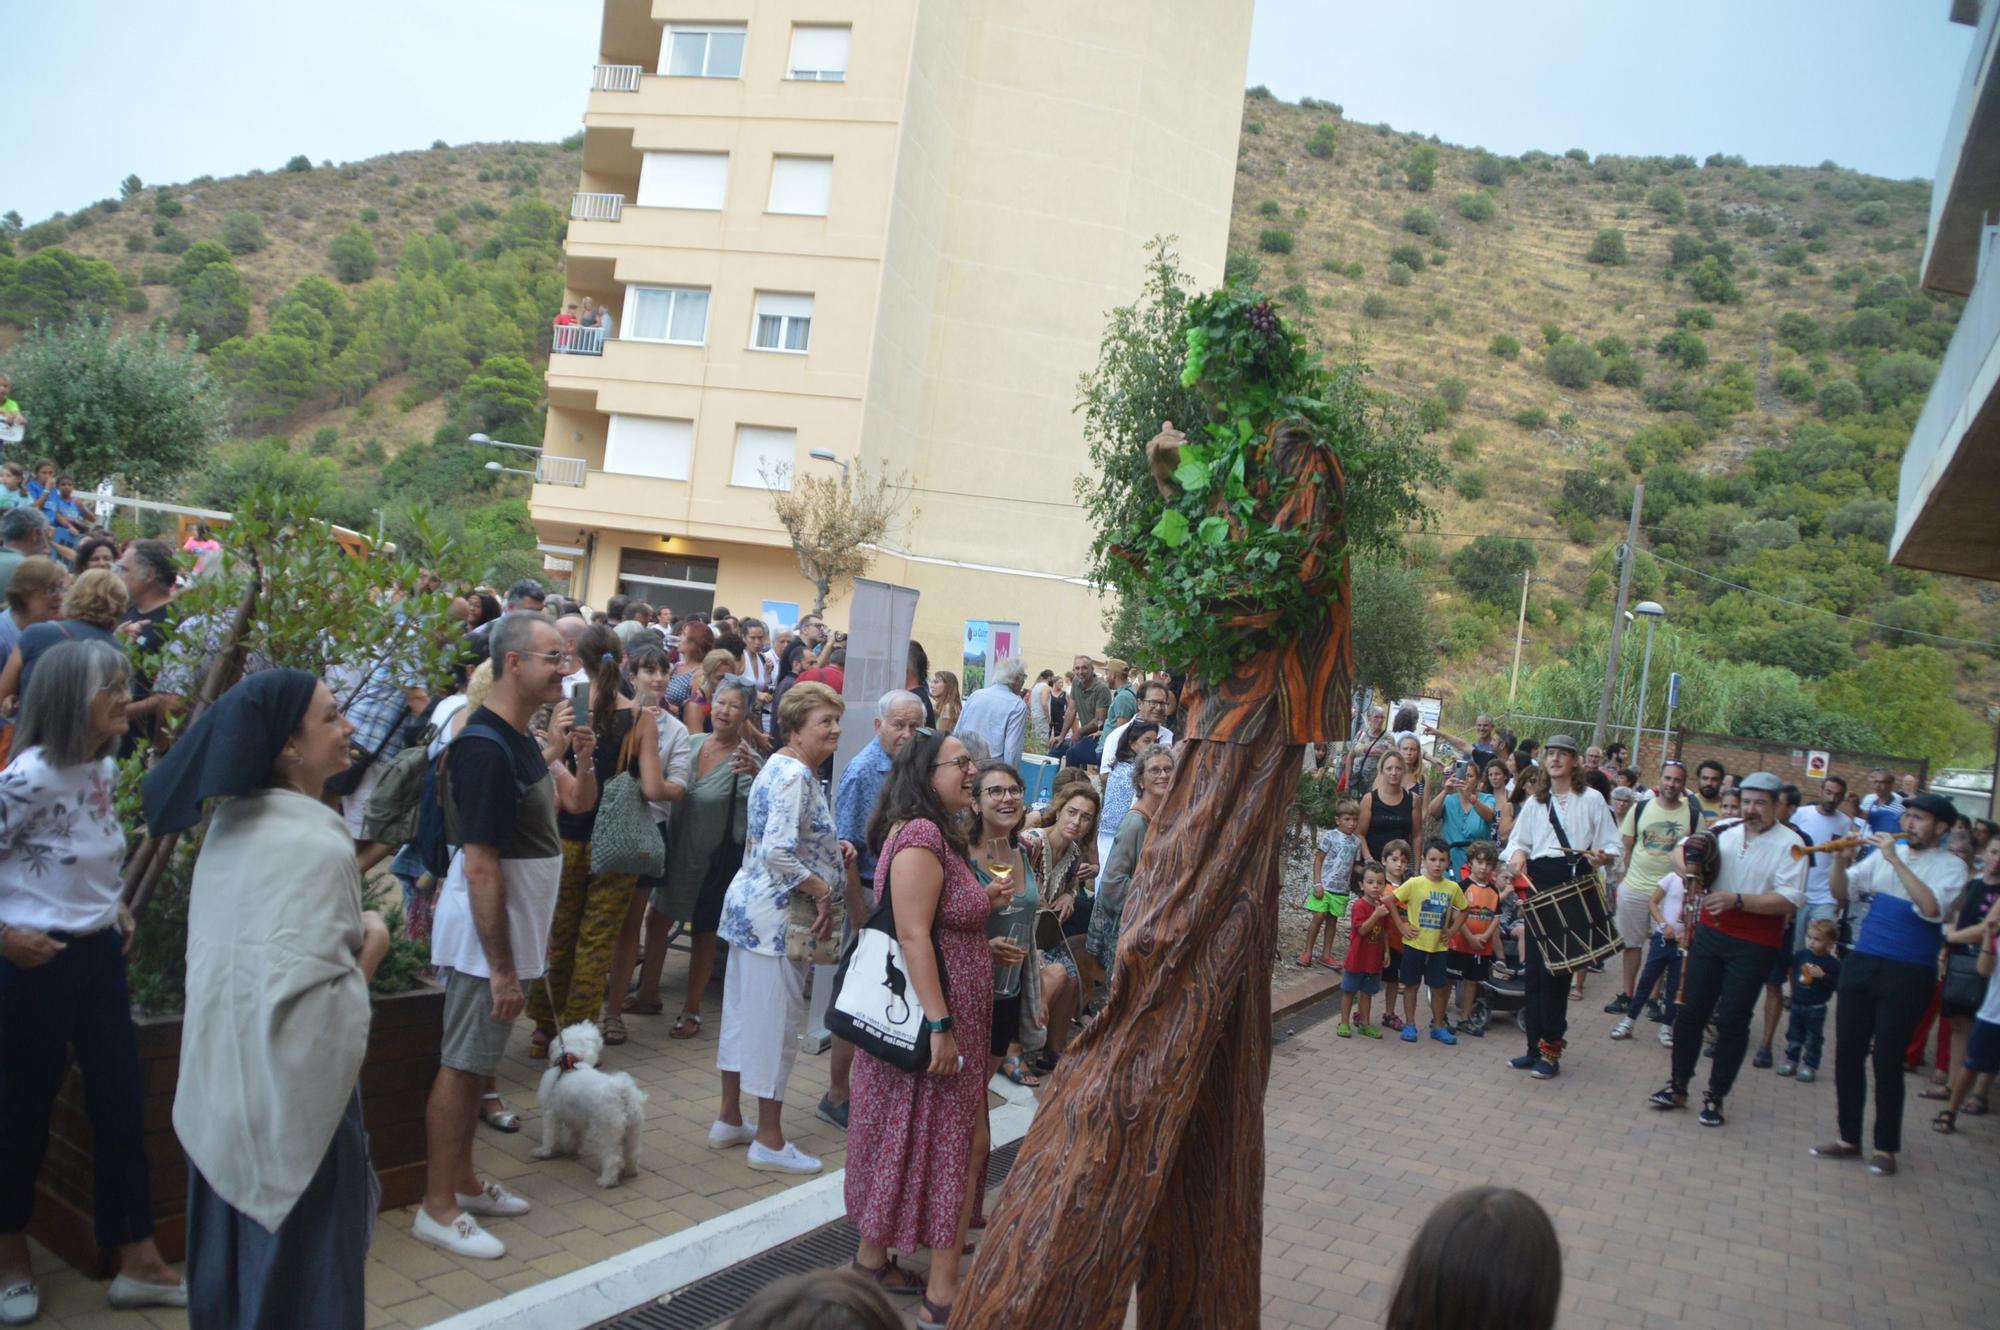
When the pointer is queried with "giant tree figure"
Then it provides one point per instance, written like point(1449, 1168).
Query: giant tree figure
point(1144, 1165)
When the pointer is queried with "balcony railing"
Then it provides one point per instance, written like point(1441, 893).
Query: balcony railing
point(573, 339)
point(616, 78)
point(596, 207)
point(559, 470)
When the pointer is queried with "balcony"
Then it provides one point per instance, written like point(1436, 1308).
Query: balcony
point(616, 78)
point(596, 207)
point(573, 339)
point(555, 470)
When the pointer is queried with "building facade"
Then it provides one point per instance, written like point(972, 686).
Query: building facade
point(879, 233)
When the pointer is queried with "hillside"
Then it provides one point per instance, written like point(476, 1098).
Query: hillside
point(1752, 344)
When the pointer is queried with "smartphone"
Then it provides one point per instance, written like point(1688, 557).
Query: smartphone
point(1461, 769)
point(579, 703)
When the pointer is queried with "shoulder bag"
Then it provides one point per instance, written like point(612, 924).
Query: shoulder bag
point(873, 1005)
point(1964, 986)
point(625, 839)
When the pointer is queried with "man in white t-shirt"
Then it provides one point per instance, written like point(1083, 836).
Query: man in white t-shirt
point(1154, 699)
point(1888, 977)
point(1821, 822)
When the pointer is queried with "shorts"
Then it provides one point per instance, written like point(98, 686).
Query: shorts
point(354, 807)
point(1467, 965)
point(1006, 1022)
point(1426, 967)
point(1328, 903)
point(1350, 982)
point(1635, 919)
point(1781, 969)
point(473, 1041)
point(1982, 1049)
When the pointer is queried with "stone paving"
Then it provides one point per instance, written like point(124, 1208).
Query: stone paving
point(1663, 1223)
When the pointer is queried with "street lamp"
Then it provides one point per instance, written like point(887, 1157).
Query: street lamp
point(827, 455)
point(510, 470)
point(485, 442)
point(1652, 612)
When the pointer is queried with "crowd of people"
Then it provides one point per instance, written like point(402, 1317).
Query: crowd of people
point(580, 787)
point(1737, 907)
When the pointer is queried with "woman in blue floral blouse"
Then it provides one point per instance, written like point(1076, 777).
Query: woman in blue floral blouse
point(791, 850)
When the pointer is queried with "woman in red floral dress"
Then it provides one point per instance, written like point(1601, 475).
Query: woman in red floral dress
point(912, 1136)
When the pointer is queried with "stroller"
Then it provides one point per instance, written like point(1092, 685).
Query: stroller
point(1505, 989)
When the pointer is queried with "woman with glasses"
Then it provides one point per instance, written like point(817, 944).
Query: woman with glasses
point(998, 810)
point(64, 932)
point(1119, 790)
point(92, 607)
point(791, 851)
point(912, 1136)
point(1063, 853)
point(718, 663)
point(711, 822)
point(1154, 775)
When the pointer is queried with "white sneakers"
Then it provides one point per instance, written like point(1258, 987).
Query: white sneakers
point(461, 1237)
point(20, 1303)
point(128, 1293)
point(791, 1159)
point(1622, 1030)
point(493, 1199)
point(722, 1136)
point(1666, 1036)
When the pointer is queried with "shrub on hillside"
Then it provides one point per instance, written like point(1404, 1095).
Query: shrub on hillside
point(1696, 317)
point(1465, 444)
point(1432, 414)
point(1624, 372)
point(1790, 256)
point(1532, 418)
point(1715, 159)
point(1871, 214)
point(1490, 568)
point(1275, 240)
point(1795, 384)
point(167, 206)
point(1376, 306)
point(1684, 348)
point(353, 255)
point(1470, 482)
point(1612, 347)
point(1801, 332)
point(1871, 519)
point(1504, 345)
point(1410, 256)
point(1452, 391)
point(299, 163)
point(1474, 207)
point(1420, 168)
point(214, 304)
point(1400, 274)
point(1608, 248)
point(1591, 494)
point(53, 284)
point(1840, 398)
point(1552, 332)
point(1324, 140)
point(243, 233)
point(1667, 201)
point(1421, 221)
point(1904, 376)
point(1572, 364)
point(1759, 224)
point(1269, 208)
point(1872, 327)
point(1488, 169)
point(1711, 282)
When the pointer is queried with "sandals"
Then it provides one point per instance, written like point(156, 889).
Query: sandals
point(1014, 1071)
point(538, 1042)
point(499, 1117)
point(1934, 1092)
point(682, 1023)
point(614, 1031)
point(1835, 1150)
point(890, 1277)
point(1946, 1122)
point(635, 1007)
point(930, 1316)
point(1974, 1106)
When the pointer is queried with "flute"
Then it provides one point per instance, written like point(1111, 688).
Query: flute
point(1837, 844)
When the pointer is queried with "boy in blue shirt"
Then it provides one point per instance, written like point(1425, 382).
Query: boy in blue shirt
point(1815, 975)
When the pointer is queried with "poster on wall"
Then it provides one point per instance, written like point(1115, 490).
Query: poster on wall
point(972, 660)
point(781, 614)
point(1003, 640)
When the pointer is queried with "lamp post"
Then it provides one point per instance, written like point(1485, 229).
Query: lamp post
point(827, 455)
point(482, 441)
point(510, 470)
point(1652, 612)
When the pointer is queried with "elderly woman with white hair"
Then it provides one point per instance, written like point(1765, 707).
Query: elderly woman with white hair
point(998, 714)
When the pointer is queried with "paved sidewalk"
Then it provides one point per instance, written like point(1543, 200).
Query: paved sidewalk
point(1664, 1223)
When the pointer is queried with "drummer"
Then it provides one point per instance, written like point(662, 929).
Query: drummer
point(1563, 832)
point(1753, 891)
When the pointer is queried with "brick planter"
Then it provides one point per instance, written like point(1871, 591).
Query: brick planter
point(395, 1083)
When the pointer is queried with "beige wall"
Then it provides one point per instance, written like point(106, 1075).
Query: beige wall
point(997, 173)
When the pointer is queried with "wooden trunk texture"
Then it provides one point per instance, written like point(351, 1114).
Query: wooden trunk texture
point(1145, 1163)
point(395, 1086)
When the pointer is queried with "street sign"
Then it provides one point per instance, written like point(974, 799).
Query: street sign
point(1817, 764)
point(1673, 691)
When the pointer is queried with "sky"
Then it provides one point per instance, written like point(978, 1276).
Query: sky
point(99, 89)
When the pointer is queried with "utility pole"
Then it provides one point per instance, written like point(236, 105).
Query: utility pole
point(1520, 630)
point(1626, 553)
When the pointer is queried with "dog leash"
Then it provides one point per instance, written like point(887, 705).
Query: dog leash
point(567, 1062)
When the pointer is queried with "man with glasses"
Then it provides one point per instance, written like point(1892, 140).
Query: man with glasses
point(898, 715)
point(1154, 699)
point(490, 934)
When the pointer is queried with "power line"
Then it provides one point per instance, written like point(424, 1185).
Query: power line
point(1801, 605)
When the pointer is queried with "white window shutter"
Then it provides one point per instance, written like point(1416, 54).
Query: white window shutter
point(764, 457)
point(819, 51)
point(649, 446)
point(683, 180)
point(800, 185)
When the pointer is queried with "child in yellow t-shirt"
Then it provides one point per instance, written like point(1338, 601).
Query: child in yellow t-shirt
point(1433, 910)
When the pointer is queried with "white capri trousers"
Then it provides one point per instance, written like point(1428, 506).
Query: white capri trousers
point(763, 1011)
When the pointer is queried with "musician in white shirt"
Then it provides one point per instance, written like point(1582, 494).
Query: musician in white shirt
point(1746, 918)
point(1563, 831)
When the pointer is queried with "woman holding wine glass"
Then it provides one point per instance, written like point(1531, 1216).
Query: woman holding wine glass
point(999, 808)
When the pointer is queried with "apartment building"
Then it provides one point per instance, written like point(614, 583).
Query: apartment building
point(840, 235)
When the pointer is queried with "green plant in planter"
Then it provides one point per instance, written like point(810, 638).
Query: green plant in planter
point(1208, 551)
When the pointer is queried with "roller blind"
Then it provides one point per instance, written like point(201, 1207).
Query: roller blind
point(649, 446)
point(800, 185)
point(683, 180)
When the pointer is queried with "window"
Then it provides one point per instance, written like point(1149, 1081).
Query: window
point(649, 446)
point(784, 323)
point(666, 314)
point(705, 52)
point(764, 457)
point(683, 180)
point(819, 52)
point(683, 582)
point(799, 185)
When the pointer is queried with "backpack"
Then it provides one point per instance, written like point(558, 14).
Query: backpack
point(434, 830)
point(1639, 814)
point(391, 816)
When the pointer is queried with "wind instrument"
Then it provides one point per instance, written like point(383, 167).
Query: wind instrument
point(1837, 844)
point(1703, 857)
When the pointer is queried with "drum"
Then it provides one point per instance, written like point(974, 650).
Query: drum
point(1571, 923)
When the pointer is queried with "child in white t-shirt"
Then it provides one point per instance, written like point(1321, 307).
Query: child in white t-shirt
point(1333, 865)
point(1663, 960)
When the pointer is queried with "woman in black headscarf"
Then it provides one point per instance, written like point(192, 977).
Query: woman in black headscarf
point(281, 1196)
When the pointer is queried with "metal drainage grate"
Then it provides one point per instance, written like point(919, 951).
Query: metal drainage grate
point(1317, 1012)
point(711, 1301)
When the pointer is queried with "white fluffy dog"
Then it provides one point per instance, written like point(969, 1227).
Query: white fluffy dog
point(589, 1112)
